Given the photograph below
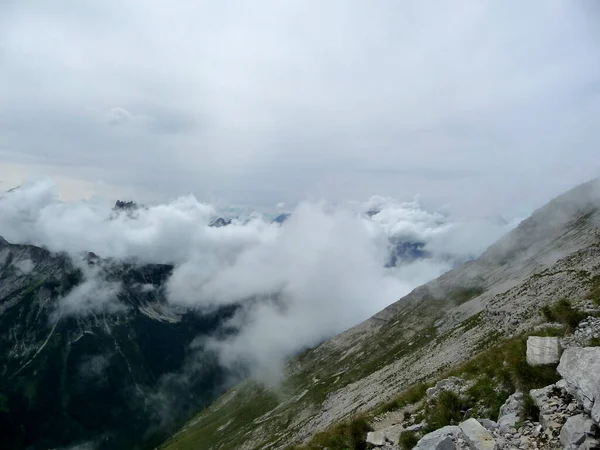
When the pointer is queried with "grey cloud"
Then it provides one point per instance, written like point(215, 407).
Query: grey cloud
point(326, 257)
point(233, 92)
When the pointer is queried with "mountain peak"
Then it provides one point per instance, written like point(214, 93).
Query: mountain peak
point(125, 205)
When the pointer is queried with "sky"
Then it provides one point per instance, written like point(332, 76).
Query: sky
point(453, 118)
point(478, 107)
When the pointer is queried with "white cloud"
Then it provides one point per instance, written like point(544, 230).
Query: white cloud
point(269, 102)
point(94, 295)
point(25, 266)
point(320, 272)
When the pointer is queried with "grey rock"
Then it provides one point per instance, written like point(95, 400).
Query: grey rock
point(414, 428)
point(541, 396)
point(452, 384)
point(511, 410)
point(575, 431)
point(376, 438)
point(442, 439)
point(389, 434)
point(596, 411)
point(488, 424)
point(477, 436)
point(542, 350)
point(580, 367)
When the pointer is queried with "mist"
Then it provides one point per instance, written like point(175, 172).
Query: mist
point(324, 269)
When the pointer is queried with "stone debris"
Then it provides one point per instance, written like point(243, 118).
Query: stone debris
point(569, 413)
point(587, 330)
point(543, 350)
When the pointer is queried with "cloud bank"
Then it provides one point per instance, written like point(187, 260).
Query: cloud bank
point(319, 272)
point(269, 101)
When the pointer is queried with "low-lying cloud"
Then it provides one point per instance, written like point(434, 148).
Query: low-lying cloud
point(324, 269)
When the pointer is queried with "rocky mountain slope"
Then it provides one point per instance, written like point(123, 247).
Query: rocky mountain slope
point(116, 373)
point(554, 254)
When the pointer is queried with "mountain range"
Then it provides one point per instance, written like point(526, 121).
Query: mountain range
point(130, 374)
point(554, 254)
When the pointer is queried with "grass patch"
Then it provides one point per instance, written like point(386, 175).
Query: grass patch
point(349, 435)
point(408, 440)
point(447, 409)
point(487, 396)
point(594, 293)
point(506, 364)
point(408, 397)
point(530, 410)
point(595, 342)
point(563, 312)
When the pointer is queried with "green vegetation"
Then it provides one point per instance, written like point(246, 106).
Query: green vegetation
point(408, 440)
point(530, 410)
point(349, 435)
point(447, 409)
point(486, 397)
point(594, 293)
point(506, 364)
point(408, 397)
point(563, 312)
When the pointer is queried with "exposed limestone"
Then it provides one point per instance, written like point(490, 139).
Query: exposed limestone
point(389, 434)
point(587, 330)
point(575, 431)
point(453, 384)
point(580, 368)
point(542, 350)
point(510, 411)
point(442, 439)
point(477, 436)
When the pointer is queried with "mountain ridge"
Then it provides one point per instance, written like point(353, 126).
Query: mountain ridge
point(554, 253)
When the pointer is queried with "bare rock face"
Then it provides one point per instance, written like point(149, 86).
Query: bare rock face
point(576, 431)
point(543, 350)
point(511, 410)
point(580, 368)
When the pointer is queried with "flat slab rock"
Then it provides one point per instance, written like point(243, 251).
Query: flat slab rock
point(543, 350)
point(477, 436)
point(386, 435)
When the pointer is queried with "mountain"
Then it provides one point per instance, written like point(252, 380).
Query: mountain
point(116, 380)
point(552, 255)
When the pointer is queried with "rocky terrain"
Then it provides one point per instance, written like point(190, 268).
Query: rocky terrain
point(440, 327)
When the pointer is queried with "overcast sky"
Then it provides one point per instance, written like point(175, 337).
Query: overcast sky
point(474, 105)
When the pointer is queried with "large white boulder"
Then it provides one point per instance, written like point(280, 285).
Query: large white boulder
point(442, 439)
point(580, 368)
point(542, 350)
point(477, 436)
